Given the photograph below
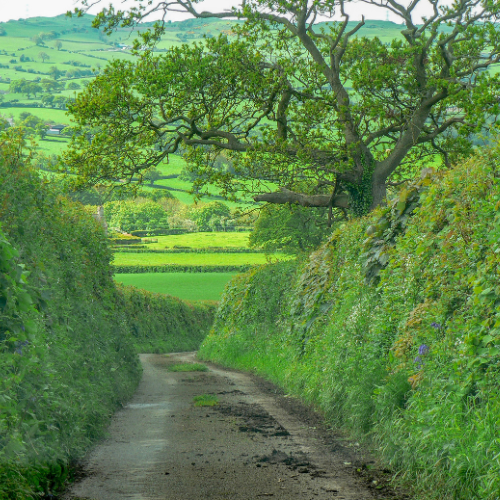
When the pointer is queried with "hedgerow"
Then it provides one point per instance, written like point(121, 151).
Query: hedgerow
point(68, 340)
point(178, 268)
point(145, 249)
point(392, 329)
point(183, 326)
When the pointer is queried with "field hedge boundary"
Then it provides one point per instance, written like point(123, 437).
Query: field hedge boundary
point(175, 268)
point(392, 330)
point(188, 250)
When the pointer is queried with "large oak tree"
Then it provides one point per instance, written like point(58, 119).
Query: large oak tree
point(304, 112)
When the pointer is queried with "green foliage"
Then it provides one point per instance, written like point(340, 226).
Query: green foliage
point(68, 337)
point(289, 228)
point(410, 364)
point(25, 87)
point(123, 239)
point(202, 240)
point(129, 215)
point(392, 223)
point(43, 56)
point(212, 216)
point(161, 323)
point(98, 195)
point(146, 249)
point(15, 301)
point(193, 259)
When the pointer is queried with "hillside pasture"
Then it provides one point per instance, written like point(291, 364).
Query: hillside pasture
point(55, 115)
point(185, 286)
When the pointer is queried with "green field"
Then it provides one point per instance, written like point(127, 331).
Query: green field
point(186, 286)
point(202, 240)
point(51, 115)
point(193, 259)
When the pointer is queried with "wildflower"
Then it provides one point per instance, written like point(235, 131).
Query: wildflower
point(435, 325)
point(19, 347)
point(418, 362)
point(423, 349)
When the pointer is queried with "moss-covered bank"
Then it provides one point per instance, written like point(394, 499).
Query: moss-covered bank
point(408, 360)
point(68, 337)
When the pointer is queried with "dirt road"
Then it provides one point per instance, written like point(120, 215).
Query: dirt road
point(253, 444)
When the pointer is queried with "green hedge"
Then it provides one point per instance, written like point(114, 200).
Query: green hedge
point(158, 232)
point(127, 249)
point(144, 249)
point(392, 329)
point(177, 268)
point(124, 241)
point(68, 336)
point(160, 323)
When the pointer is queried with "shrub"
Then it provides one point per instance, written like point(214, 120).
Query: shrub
point(212, 216)
point(129, 215)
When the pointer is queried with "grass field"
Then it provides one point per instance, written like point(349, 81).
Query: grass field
point(186, 286)
point(202, 240)
point(193, 259)
point(55, 115)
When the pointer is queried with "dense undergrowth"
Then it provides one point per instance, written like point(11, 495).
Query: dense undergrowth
point(68, 337)
point(392, 329)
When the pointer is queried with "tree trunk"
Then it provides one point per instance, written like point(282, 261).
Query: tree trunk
point(379, 193)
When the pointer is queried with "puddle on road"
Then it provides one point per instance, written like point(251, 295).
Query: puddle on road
point(142, 406)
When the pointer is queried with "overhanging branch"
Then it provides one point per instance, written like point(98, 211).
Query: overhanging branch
point(306, 200)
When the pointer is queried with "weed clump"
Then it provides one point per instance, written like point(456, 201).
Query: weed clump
point(206, 400)
point(187, 367)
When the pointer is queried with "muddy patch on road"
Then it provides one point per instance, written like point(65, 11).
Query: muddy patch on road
point(219, 435)
point(253, 418)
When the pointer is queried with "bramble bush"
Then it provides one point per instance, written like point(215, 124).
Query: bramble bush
point(68, 336)
point(392, 329)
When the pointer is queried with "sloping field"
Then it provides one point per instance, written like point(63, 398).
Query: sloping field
point(185, 286)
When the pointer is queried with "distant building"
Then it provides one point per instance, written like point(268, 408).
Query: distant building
point(99, 216)
point(56, 129)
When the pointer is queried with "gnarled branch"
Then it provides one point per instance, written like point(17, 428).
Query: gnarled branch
point(306, 200)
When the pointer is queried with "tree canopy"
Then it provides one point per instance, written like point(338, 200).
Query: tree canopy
point(309, 113)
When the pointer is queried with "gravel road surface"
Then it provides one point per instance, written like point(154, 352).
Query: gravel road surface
point(254, 444)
